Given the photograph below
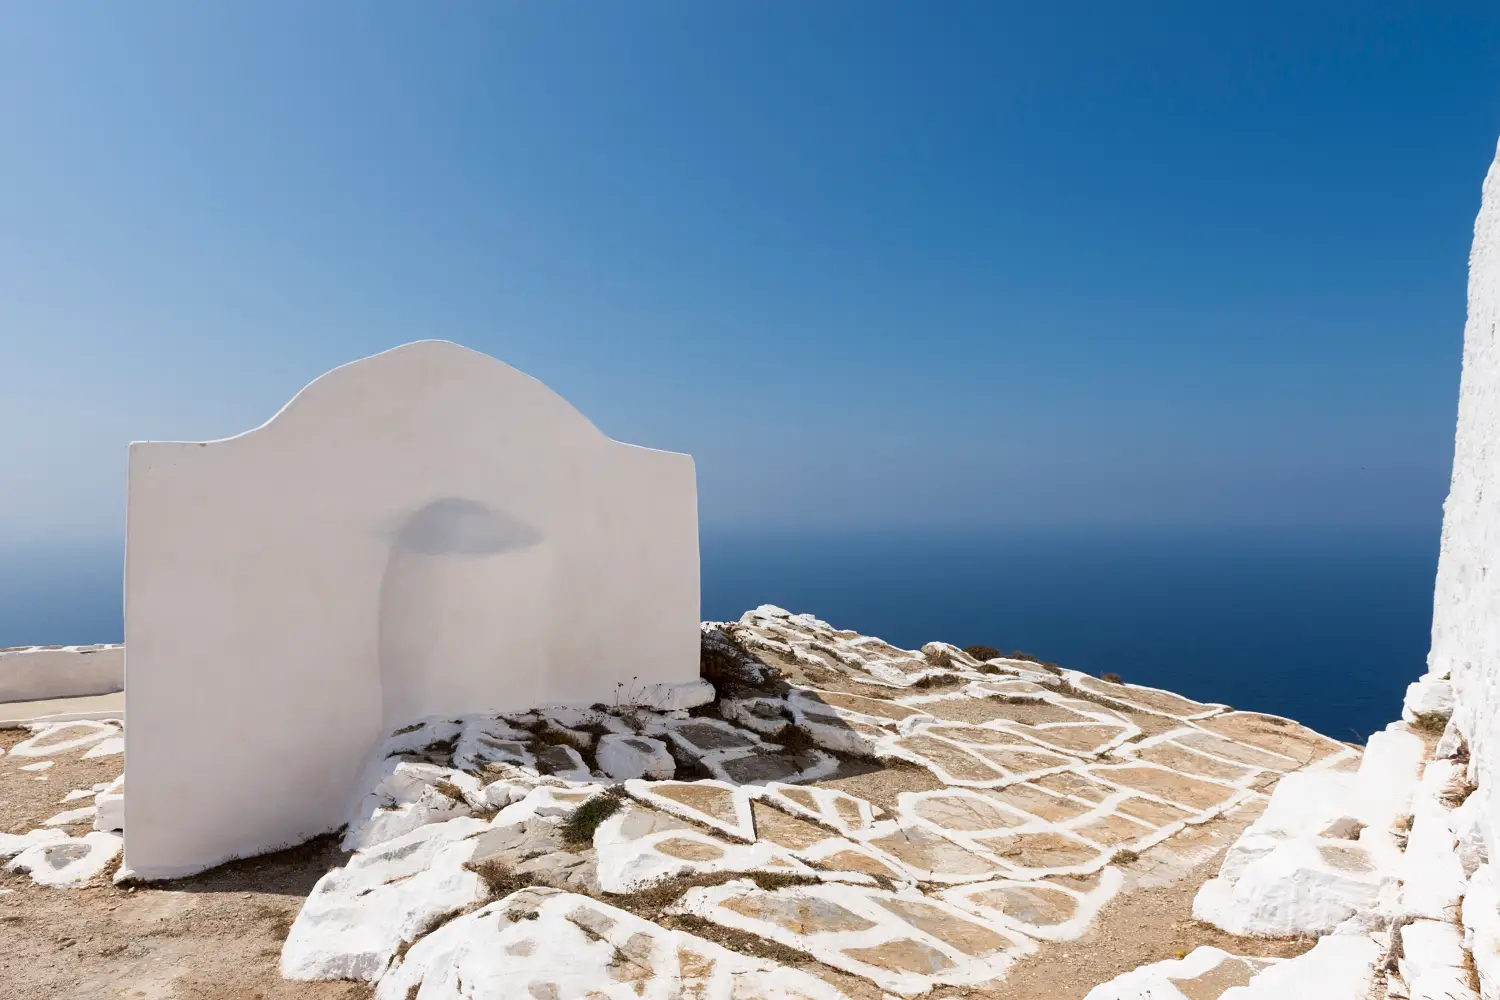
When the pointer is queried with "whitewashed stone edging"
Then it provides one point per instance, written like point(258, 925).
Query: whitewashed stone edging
point(67, 861)
point(546, 943)
point(37, 673)
point(358, 916)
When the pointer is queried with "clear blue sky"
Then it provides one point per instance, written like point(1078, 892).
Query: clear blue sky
point(875, 265)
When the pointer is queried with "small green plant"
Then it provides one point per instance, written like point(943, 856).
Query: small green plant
point(1112, 678)
point(1125, 857)
point(982, 653)
point(583, 821)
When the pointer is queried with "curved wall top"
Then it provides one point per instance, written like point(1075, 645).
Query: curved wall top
point(420, 532)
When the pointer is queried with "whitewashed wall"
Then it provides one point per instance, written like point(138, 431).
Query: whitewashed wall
point(426, 531)
point(31, 673)
point(1466, 601)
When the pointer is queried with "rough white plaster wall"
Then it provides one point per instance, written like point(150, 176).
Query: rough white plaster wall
point(1466, 600)
point(427, 531)
point(32, 673)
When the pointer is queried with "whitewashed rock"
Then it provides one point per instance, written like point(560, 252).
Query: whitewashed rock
point(1469, 829)
point(1283, 877)
point(1432, 874)
point(1387, 778)
point(109, 806)
point(499, 794)
point(549, 944)
point(1325, 849)
point(40, 765)
point(71, 816)
point(668, 697)
point(722, 659)
point(623, 757)
point(892, 929)
point(1451, 743)
point(358, 916)
point(1442, 984)
point(1428, 696)
point(408, 795)
point(55, 738)
point(1161, 980)
point(626, 844)
point(67, 862)
point(1337, 968)
point(546, 801)
point(1290, 891)
point(1432, 955)
point(1481, 917)
point(12, 844)
point(946, 654)
point(110, 747)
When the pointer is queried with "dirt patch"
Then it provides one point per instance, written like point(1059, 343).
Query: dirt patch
point(215, 936)
point(880, 783)
point(1147, 922)
point(29, 798)
point(975, 710)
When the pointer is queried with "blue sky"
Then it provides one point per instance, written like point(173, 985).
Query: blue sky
point(966, 266)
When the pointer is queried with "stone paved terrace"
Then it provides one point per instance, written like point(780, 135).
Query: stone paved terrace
point(846, 819)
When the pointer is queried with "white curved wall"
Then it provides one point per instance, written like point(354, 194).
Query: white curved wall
point(32, 673)
point(425, 531)
point(1466, 600)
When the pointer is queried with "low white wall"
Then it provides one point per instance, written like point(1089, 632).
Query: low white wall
point(31, 673)
point(1466, 600)
point(427, 531)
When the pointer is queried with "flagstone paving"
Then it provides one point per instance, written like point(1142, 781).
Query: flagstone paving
point(853, 819)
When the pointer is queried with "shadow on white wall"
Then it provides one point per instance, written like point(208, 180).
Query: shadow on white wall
point(465, 591)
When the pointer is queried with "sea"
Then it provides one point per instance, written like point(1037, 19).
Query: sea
point(1326, 626)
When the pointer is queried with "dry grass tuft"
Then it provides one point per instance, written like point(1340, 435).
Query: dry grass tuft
point(1431, 722)
point(499, 878)
point(793, 738)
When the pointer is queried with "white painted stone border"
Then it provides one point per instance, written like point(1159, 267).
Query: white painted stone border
point(38, 673)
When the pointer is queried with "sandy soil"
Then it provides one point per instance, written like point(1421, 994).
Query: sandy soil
point(1149, 921)
point(216, 936)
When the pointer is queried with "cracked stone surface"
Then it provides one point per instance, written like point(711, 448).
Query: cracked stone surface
point(904, 819)
point(846, 818)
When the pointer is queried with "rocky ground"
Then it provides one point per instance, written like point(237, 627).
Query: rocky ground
point(845, 819)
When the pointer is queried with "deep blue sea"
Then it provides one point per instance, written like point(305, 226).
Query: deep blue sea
point(1324, 626)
